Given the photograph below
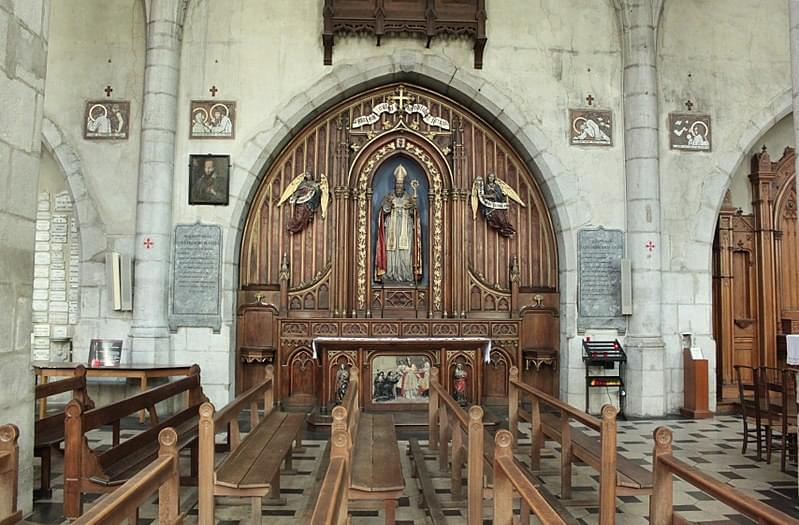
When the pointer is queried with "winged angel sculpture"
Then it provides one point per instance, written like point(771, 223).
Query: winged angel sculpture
point(491, 198)
point(306, 196)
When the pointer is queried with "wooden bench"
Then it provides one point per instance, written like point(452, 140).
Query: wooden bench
point(9, 474)
point(49, 428)
point(375, 472)
point(448, 421)
point(162, 476)
point(509, 478)
point(252, 468)
point(88, 470)
point(665, 466)
point(332, 502)
point(617, 474)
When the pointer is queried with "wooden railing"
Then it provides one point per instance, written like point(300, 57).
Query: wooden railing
point(332, 504)
point(665, 465)
point(605, 463)
point(446, 418)
point(162, 475)
point(9, 474)
point(509, 479)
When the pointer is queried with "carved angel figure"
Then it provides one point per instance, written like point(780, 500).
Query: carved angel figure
point(491, 197)
point(306, 196)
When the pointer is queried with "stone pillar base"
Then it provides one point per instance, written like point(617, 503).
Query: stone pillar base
point(150, 345)
point(645, 376)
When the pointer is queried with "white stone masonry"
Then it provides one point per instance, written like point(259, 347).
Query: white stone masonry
point(150, 330)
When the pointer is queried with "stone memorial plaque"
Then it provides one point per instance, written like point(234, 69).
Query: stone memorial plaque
point(60, 238)
point(41, 284)
point(60, 295)
point(42, 225)
point(39, 317)
point(41, 271)
point(41, 258)
point(599, 255)
point(41, 246)
point(60, 332)
point(42, 235)
point(196, 276)
point(39, 306)
point(58, 306)
point(58, 285)
point(58, 275)
point(41, 295)
point(59, 317)
point(41, 330)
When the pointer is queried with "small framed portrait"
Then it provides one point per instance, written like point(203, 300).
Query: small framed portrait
point(212, 119)
point(106, 119)
point(209, 179)
point(690, 132)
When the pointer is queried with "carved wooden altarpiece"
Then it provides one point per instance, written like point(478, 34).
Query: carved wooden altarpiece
point(756, 272)
point(322, 282)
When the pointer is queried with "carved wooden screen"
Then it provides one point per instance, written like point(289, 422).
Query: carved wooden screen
point(786, 239)
point(328, 265)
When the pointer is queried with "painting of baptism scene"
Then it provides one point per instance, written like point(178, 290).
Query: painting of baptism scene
point(400, 379)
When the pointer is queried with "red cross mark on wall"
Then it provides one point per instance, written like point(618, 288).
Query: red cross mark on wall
point(650, 246)
point(148, 243)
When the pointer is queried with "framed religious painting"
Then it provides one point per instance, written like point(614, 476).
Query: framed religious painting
point(690, 132)
point(590, 127)
point(209, 180)
point(106, 120)
point(212, 119)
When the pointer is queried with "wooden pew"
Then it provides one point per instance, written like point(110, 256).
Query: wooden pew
point(9, 474)
point(617, 474)
point(375, 472)
point(49, 429)
point(447, 420)
point(665, 466)
point(252, 468)
point(332, 502)
point(87, 470)
point(510, 479)
point(162, 476)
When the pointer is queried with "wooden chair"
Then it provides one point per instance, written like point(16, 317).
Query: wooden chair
point(448, 421)
point(617, 474)
point(100, 471)
point(49, 428)
point(252, 468)
point(749, 398)
point(510, 479)
point(665, 466)
point(162, 476)
point(778, 411)
point(9, 474)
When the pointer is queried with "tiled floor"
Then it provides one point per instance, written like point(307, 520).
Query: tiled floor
point(714, 444)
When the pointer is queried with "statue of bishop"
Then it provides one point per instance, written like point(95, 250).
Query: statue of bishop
point(398, 254)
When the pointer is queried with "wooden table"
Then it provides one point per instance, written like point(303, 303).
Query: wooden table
point(143, 372)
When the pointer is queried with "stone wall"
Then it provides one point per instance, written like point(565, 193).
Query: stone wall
point(23, 63)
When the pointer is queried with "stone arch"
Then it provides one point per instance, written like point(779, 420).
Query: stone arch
point(759, 124)
point(93, 241)
point(433, 72)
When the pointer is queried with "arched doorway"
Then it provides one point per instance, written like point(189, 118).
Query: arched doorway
point(317, 251)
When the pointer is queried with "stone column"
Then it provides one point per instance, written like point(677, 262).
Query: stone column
point(23, 63)
point(644, 341)
point(150, 331)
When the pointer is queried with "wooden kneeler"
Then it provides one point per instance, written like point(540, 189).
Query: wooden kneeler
point(9, 473)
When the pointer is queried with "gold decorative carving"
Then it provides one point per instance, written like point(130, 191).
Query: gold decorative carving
point(437, 226)
point(320, 276)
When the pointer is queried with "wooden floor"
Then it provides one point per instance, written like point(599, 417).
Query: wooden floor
point(714, 444)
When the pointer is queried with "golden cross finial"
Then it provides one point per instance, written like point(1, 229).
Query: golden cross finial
point(402, 98)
